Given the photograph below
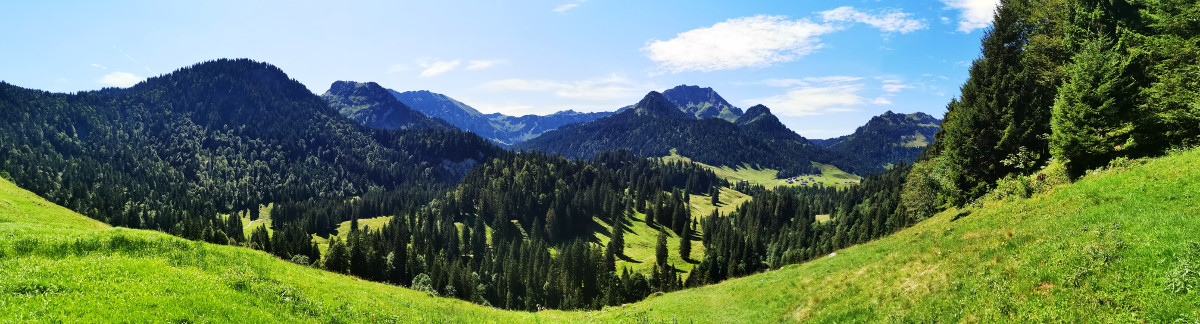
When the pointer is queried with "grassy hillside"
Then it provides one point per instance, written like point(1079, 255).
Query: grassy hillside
point(1117, 246)
point(769, 177)
point(58, 265)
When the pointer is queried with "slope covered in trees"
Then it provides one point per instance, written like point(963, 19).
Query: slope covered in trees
point(1114, 246)
point(373, 106)
point(500, 128)
point(1078, 81)
point(220, 137)
point(491, 240)
point(1001, 260)
point(886, 139)
point(655, 126)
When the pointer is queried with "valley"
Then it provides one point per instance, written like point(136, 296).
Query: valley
point(982, 161)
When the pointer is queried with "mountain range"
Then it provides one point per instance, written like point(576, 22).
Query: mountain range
point(500, 128)
point(375, 107)
point(217, 137)
point(656, 127)
point(646, 129)
point(886, 139)
point(699, 103)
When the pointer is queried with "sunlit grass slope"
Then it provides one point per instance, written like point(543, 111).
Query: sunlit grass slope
point(830, 175)
point(1116, 246)
point(57, 265)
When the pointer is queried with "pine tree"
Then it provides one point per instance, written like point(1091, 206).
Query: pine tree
point(337, 258)
point(1094, 117)
point(685, 244)
point(660, 250)
point(716, 196)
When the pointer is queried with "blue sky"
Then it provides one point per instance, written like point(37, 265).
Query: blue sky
point(824, 67)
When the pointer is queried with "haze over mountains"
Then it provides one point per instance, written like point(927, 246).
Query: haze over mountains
point(656, 127)
point(502, 129)
point(676, 119)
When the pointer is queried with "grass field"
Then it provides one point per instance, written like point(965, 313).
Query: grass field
point(1118, 246)
point(1121, 245)
point(56, 265)
point(769, 177)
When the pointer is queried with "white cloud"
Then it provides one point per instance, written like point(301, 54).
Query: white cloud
point(837, 79)
point(808, 101)
point(613, 87)
point(890, 21)
point(482, 64)
point(881, 101)
point(398, 68)
point(738, 43)
point(436, 68)
point(784, 83)
point(120, 79)
point(763, 40)
point(563, 8)
point(893, 88)
point(976, 14)
point(98, 66)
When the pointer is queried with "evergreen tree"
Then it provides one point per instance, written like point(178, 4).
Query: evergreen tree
point(337, 258)
point(660, 250)
point(685, 244)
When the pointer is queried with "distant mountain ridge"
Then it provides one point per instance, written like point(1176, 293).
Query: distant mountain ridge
point(702, 102)
point(886, 139)
point(213, 138)
point(373, 106)
point(654, 127)
point(500, 128)
point(699, 103)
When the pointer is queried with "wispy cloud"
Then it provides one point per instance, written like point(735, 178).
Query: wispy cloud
point(563, 8)
point(120, 79)
point(134, 60)
point(889, 21)
point(612, 87)
point(814, 100)
point(881, 101)
point(482, 64)
point(788, 83)
point(976, 14)
point(436, 68)
point(893, 88)
point(759, 41)
point(98, 66)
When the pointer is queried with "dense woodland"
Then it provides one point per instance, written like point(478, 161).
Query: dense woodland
point(1080, 82)
point(490, 240)
point(219, 137)
point(886, 140)
point(373, 106)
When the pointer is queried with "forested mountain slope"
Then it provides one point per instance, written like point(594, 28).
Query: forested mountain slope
point(373, 106)
point(1118, 242)
point(224, 136)
point(1118, 245)
point(655, 126)
point(886, 140)
point(1078, 81)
